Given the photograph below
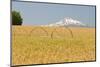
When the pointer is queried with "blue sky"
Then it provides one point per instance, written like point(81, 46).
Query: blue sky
point(42, 13)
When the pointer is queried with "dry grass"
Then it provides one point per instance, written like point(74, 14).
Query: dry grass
point(36, 47)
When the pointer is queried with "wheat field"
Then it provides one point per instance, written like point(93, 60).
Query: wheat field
point(42, 45)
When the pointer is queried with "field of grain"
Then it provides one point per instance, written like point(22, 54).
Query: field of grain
point(36, 45)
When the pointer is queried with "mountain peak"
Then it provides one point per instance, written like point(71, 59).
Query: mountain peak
point(67, 21)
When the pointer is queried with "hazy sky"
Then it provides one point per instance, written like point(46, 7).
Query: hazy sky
point(42, 13)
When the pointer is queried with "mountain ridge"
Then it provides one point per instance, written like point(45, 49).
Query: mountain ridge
point(67, 22)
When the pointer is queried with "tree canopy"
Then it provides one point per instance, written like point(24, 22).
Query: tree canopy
point(16, 18)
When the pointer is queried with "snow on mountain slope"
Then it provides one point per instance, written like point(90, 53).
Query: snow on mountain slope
point(67, 22)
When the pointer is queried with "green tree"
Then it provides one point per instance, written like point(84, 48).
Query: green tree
point(16, 18)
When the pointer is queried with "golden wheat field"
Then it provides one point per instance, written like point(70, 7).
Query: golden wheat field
point(42, 45)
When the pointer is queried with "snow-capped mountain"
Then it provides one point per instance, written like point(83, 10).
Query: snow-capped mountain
point(67, 22)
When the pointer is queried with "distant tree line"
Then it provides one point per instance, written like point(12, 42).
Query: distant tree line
point(16, 18)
